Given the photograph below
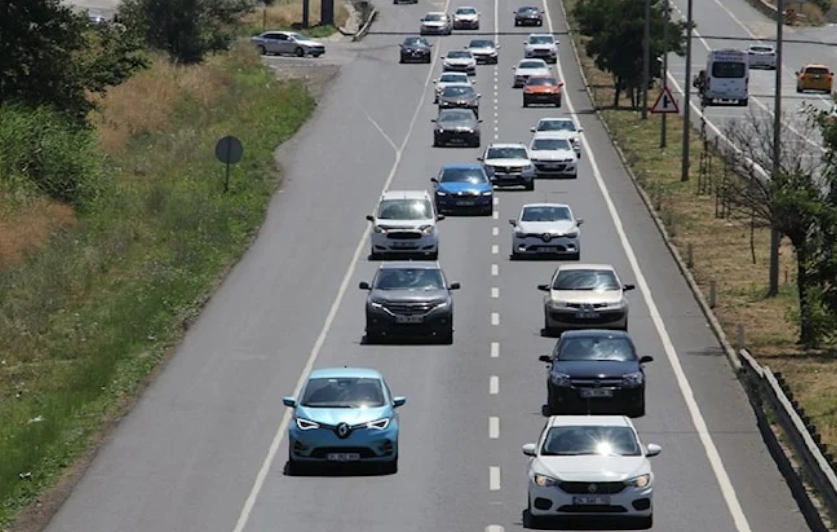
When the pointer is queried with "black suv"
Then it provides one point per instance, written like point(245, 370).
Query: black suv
point(415, 50)
point(409, 299)
point(590, 368)
point(528, 16)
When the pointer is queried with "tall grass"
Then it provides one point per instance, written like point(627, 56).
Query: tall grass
point(284, 13)
point(84, 321)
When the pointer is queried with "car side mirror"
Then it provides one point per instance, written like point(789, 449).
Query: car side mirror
point(497, 47)
point(530, 449)
point(561, 84)
point(363, 285)
point(652, 449)
point(370, 217)
point(543, 287)
point(440, 217)
point(479, 95)
point(646, 359)
point(454, 286)
point(533, 129)
point(579, 221)
point(480, 158)
point(289, 401)
point(398, 402)
point(434, 180)
point(433, 120)
point(479, 121)
point(628, 287)
point(545, 358)
point(513, 222)
point(435, 81)
point(581, 130)
point(797, 72)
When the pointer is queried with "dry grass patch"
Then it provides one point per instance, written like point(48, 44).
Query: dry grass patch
point(28, 226)
point(722, 251)
point(284, 13)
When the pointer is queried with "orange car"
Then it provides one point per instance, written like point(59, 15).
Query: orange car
point(542, 89)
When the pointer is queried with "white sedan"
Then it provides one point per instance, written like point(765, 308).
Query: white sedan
point(590, 466)
point(529, 67)
point(450, 78)
point(460, 61)
point(466, 18)
point(553, 154)
point(762, 56)
point(562, 124)
point(546, 229)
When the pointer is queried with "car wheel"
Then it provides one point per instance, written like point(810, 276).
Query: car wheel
point(446, 338)
point(401, 60)
point(262, 50)
point(639, 411)
point(390, 468)
point(530, 185)
point(428, 60)
point(293, 467)
point(299, 52)
point(488, 210)
point(372, 337)
point(575, 256)
point(475, 143)
point(558, 102)
point(530, 521)
point(433, 256)
point(436, 143)
point(646, 522)
point(525, 102)
point(743, 102)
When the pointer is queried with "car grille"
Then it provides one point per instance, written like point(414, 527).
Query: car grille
point(466, 194)
point(508, 170)
point(596, 383)
point(584, 305)
point(403, 235)
point(550, 166)
point(540, 53)
point(588, 509)
point(409, 308)
point(322, 452)
point(584, 488)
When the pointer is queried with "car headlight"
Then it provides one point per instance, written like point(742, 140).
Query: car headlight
point(379, 424)
point(376, 304)
point(440, 193)
point(544, 481)
point(426, 229)
point(633, 379)
point(488, 193)
point(640, 481)
point(379, 229)
point(560, 379)
point(440, 305)
point(306, 424)
point(573, 234)
point(519, 233)
point(557, 304)
point(528, 167)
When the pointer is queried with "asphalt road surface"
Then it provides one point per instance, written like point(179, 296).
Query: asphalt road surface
point(204, 450)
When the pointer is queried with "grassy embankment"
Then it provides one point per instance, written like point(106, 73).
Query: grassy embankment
point(722, 251)
point(92, 301)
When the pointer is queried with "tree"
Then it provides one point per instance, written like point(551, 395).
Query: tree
point(50, 57)
point(615, 29)
point(794, 200)
point(187, 30)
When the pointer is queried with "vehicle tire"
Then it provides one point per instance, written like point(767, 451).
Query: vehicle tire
point(516, 24)
point(525, 102)
point(293, 467)
point(401, 60)
point(372, 338)
point(531, 185)
point(262, 50)
point(530, 521)
point(446, 338)
point(743, 102)
point(515, 256)
point(433, 256)
point(475, 143)
point(436, 143)
point(625, 328)
point(646, 522)
point(390, 468)
point(558, 102)
point(798, 89)
point(706, 102)
point(639, 411)
point(428, 60)
point(575, 256)
point(299, 52)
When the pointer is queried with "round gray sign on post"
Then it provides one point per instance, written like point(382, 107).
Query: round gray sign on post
point(229, 150)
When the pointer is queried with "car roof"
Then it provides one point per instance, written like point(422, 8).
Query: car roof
point(459, 51)
point(336, 373)
point(405, 194)
point(456, 74)
point(536, 205)
point(761, 45)
point(402, 264)
point(585, 266)
point(466, 7)
point(541, 35)
point(506, 145)
point(590, 421)
point(816, 65)
point(436, 13)
point(462, 166)
point(553, 134)
point(556, 119)
point(533, 60)
point(595, 333)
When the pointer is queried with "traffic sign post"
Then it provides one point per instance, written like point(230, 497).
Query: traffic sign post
point(665, 103)
point(229, 151)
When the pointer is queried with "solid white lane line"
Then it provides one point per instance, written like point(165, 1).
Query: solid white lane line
point(495, 249)
point(281, 431)
point(493, 427)
point(495, 270)
point(493, 385)
point(494, 478)
point(495, 318)
point(495, 353)
point(714, 458)
point(495, 292)
point(495, 231)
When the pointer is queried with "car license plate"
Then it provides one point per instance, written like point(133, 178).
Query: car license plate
point(403, 245)
point(596, 392)
point(343, 457)
point(409, 319)
point(466, 203)
point(591, 500)
point(546, 250)
point(587, 315)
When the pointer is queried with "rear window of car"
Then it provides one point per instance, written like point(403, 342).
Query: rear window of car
point(816, 71)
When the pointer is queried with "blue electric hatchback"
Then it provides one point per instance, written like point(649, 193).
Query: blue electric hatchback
point(344, 415)
point(461, 188)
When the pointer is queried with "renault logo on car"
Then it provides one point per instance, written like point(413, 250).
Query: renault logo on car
point(546, 237)
point(342, 430)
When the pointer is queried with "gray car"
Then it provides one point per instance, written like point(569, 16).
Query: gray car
point(456, 126)
point(287, 43)
point(409, 299)
point(460, 96)
point(484, 51)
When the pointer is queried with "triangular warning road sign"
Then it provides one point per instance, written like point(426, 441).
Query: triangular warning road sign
point(665, 104)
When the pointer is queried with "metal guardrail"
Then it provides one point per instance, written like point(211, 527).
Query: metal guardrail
point(768, 391)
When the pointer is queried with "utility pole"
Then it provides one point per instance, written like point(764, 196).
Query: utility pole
point(775, 237)
point(646, 59)
point(687, 91)
point(664, 77)
point(306, 13)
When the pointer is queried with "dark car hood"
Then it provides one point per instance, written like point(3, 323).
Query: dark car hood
point(408, 296)
point(595, 370)
point(461, 100)
point(456, 124)
point(416, 48)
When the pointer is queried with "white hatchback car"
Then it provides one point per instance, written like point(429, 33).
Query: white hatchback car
point(541, 46)
point(529, 67)
point(590, 466)
point(405, 224)
point(762, 56)
point(553, 154)
point(546, 229)
point(562, 125)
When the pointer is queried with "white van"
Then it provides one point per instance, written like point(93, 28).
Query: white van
point(726, 78)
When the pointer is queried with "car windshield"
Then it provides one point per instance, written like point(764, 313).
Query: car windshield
point(409, 279)
point(506, 153)
point(415, 42)
point(590, 440)
point(550, 144)
point(454, 78)
point(297, 36)
point(475, 176)
point(531, 64)
point(593, 280)
point(343, 392)
point(546, 213)
point(433, 18)
point(456, 90)
point(556, 125)
point(457, 115)
point(403, 209)
point(481, 44)
point(596, 348)
point(541, 39)
point(466, 11)
point(527, 10)
point(541, 81)
point(459, 54)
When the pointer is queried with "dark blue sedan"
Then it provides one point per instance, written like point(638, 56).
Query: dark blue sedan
point(463, 188)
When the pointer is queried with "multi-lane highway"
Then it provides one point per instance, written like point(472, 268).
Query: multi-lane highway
point(204, 450)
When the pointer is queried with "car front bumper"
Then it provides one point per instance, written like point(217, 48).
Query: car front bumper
point(487, 59)
point(577, 398)
point(456, 137)
point(766, 62)
point(434, 30)
point(555, 168)
point(465, 203)
point(505, 178)
point(466, 24)
point(630, 502)
point(470, 69)
point(536, 245)
point(404, 242)
point(367, 445)
point(542, 97)
point(546, 55)
point(418, 57)
point(432, 323)
point(525, 21)
point(573, 318)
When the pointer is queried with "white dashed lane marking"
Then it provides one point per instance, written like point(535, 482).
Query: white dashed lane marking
point(495, 292)
point(495, 231)
point(495, 318)
point(494, 528)
point(495, 270)
point(494, 478)
point(496, 215)
point(495, 353)
point(495, 249)
point(494, 385)
point(494, 427)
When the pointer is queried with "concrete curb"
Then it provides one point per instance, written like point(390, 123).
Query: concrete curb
point(366, 26)
point(714, 324)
